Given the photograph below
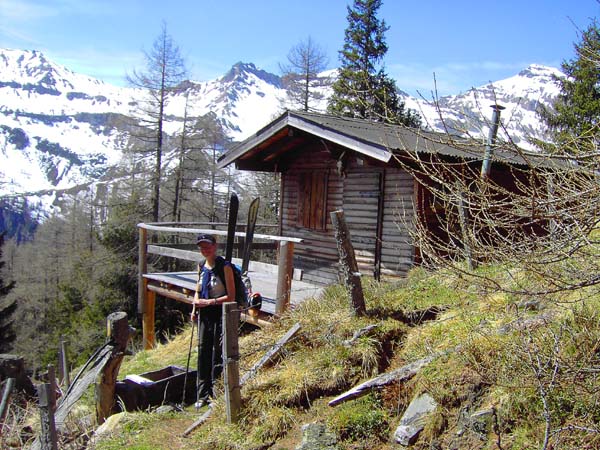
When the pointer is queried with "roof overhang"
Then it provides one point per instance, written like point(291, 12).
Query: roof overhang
point(375, 140)
point(290, 120)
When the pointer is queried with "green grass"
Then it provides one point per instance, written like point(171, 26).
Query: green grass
point(488, 363)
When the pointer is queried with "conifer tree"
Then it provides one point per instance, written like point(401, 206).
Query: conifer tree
point(165, 70)
point(301, 74)
point(363, 89)
point(576, 111)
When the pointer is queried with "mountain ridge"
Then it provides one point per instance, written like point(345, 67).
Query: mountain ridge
point(59, 129)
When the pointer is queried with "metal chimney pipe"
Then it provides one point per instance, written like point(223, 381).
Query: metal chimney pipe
point(487, 156)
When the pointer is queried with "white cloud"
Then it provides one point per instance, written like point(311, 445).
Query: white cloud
point(19, 11)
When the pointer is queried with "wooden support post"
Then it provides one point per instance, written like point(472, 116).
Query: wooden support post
point(348, 265)
point(148, 335)
point(119, 333)
point(8, 387)
point(231, 360)
point(47, 403)
point(142, 268)
point(285, 273)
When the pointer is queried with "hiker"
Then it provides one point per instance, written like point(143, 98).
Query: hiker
point(211, 292)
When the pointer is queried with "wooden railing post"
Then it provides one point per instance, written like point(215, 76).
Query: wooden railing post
point(142, 267)
point(148, 318)
point(231, 360)
point(285, 272)
point(47, 403)
point(119, 332)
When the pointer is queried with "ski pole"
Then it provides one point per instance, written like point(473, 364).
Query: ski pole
point(187, 367)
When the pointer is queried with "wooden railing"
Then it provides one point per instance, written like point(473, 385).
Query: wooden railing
point(283, 246)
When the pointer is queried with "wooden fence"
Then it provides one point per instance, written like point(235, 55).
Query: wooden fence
point(180, 286)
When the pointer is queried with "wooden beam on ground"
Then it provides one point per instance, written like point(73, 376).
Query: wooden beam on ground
point(270, 354)
point(255, 320)
point(203, 418)
point(401, 374)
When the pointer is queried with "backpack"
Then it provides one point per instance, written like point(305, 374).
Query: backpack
point(241, 292)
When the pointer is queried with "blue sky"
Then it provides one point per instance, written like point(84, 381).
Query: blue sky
point(465, 43)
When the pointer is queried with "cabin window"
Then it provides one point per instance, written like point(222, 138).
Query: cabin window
point(312, 199)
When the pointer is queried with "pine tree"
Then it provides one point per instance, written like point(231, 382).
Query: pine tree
point(576, 112)
point(363, 89)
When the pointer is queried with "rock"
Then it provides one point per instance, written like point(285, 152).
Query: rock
point(481, 421)
point(109, 426)
point(316, 436)
point(414, 419)
point(164, 409)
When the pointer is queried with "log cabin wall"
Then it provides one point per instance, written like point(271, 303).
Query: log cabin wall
point(375, 199)
point(317, 256)
point(397, 251)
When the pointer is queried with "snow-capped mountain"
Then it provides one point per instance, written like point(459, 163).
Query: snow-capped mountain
point(60, 130)
point(470, 113)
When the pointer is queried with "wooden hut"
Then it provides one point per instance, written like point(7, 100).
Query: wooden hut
point(328, 163)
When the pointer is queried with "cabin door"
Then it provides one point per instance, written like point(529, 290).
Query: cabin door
point(362, 205)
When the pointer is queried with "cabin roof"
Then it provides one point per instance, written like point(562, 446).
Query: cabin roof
point(372, 139)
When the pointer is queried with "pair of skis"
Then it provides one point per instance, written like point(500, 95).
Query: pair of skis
point(254, 300)
point(251, 224)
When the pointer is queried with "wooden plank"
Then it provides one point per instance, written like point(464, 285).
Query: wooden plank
point(215, 232)
point(172, 294)
point(187, 255)
point(398, 375)
point(251, 373)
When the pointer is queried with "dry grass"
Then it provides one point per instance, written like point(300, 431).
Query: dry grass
point(541, 381)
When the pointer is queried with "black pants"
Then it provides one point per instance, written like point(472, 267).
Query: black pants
point(210, 349)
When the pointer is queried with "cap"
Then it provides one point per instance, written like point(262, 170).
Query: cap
point(206, 238)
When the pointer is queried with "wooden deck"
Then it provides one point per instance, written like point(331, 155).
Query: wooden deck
point(180, 286)
point(280, 285)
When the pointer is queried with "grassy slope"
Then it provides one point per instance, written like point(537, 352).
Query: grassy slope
point(539, 378)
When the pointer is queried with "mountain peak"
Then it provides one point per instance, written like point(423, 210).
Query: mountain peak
point(539, 70)
point(240, 71)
